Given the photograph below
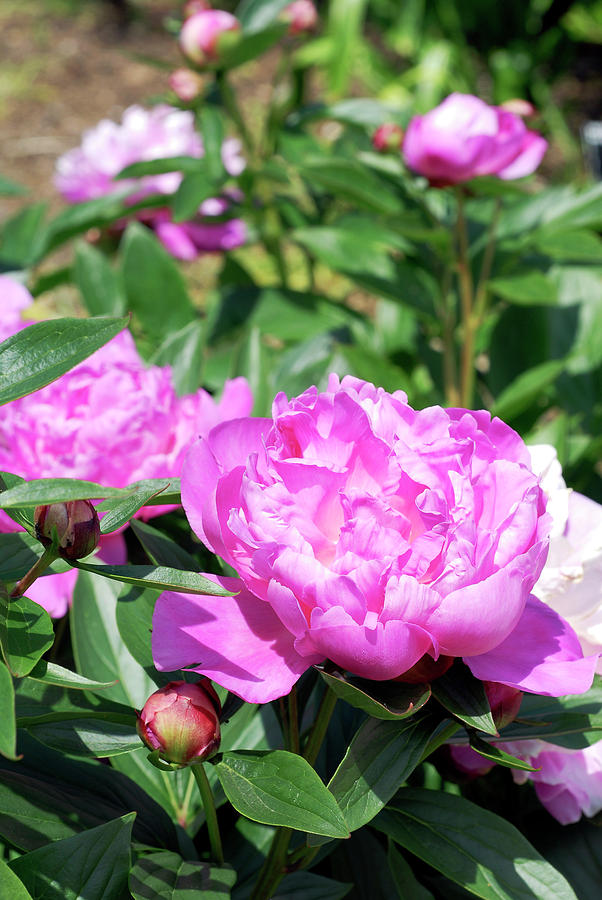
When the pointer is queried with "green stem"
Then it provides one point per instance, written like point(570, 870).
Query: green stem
point(46, 559)
point(210, 814)
point(273, 868)
point(232, 108)
point(466, 303)
point(480, 302)
point(293, 722)
point(318, 732)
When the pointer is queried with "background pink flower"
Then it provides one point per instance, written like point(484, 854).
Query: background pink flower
point(112, 420)
point(370, 534)
point(89, 171)
point(464, 137)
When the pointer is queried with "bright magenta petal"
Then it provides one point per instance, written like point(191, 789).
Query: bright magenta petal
point(238, 641)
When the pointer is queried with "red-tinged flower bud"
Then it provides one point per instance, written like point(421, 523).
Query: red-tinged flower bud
point(426, 669)
point(195, 6)
point(186, 84)
point(181, 721)
point(387, 138)
point(519, 107)
point(504, 702)
point(207, 34)
point(74, 525)
point(301, 16)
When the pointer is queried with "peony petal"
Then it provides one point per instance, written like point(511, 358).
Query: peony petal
point(530, 156)
point(54, 592)
point(542, 655)
point(238, 641)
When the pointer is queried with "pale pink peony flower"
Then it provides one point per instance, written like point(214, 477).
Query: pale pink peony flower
point(186, 84)
point(111, 420)
point(89, 171)
point(205, 35)
point(464, 137)
point(14, 299)
point(369, 534)
point(387, 138)
point(301, 15)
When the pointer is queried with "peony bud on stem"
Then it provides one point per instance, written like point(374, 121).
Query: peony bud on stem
point(206, 793)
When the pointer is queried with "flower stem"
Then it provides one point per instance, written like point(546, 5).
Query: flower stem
point(466, 302)
point(293, 721)
point(47, 558)
point(480, 302)
point(210, 814)
point(233, 110)
point(318, 732)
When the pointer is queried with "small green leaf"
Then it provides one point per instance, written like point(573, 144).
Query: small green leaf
point(478, 850)
point(280, 788)
point(43, 352)
point(193, 189)
point(380, 699)
point(159, 578)
point(22, 517)
point(93, 864)
point(8, 731)
point(120, 510)
point(166, 876)
point(533, 288)
point(98, 282)
point(212, 129)
point(50, 673)
point(463, 695)
point(497, 755)
point(160, 166)
point(26, 633)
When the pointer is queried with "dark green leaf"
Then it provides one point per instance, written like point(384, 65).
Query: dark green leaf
point(471, 846)
point(380, 699)
point(573, 721)
point(26, 633)
point(43, 352)
point(160, 578)
point(121, 510)
point(160, 166)
point(497, 755)
point(212, 130)
point(464, 697)
point(42, 491)
point(380, 757)
point(352, 181)
point(11, 887)
point(134, 617)
point(161, 549)
point(166, 876)
point(577, 245)
point(50, 673)
point(408, 887)
point(19, 552)
point(8, 731)
point(280, 788)
point(193, 189)
point(98, 282)
point(309, 886)
point(79, 217)
point(88, 738)
point(154, 286)
point(254, 15)
point(519, 395)
point(184, 351)
point(252, 45)
point(93, 865)
point(23, 517)
point(528, 289)
point(21, 236)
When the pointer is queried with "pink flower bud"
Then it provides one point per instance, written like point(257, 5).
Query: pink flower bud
point(181, 721)
point(387, 138)
point(426, 669)
point(185, 84)
point(504, 702)
point(206, 34)
point(519, 107)
point(74, 525)
point(195, 6)
point(301, 16)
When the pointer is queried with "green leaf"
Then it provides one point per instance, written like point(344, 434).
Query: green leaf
point(79, 217)
point(309, 886)
point(160, 166)
point(345, 27)
point(519, 395)
point(21, 236)
point(532, 288)
point(463, 695)
point(10, 188)
point(381, 699)
point(42, 491)
point(407, 885)
point(352, 181)
point(155, 289)
point(346, 251)
point(93, 865)
point(43, 352)
point(192, 190)
point(19, 552)
point(159, 578)
point(579, 245)
point(380, 757)
point(134, 617)
point(98, 282)
point(26, 633)
point(252, 45)
point(161, 549)
point(166, 876)
point(497, 755)
point(184, 351)
point(11, 887)
point(22, 517)
point(8, 731)
point(212, 130)
point(50, 673)
point(93, 738)
point(254, 15)
point(280, 788)
point(363, 111)
point(573, 721)
point(471, 846)
point(120, 510)
point(99, 650)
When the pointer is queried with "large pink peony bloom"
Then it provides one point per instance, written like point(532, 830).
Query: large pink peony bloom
point(89, 171)
point(370, 534)
point(111, 420)
point(464, 137)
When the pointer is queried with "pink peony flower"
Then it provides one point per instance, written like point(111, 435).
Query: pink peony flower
point(89, 171)
point(186, 84)
point(464, 137)
point(369, 534)
point(111, 420)
point(205, 35)
point(301, 15)
point(387, 138)
point(14, 298)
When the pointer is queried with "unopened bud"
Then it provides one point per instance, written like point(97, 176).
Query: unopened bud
point(206, 35)
point(519, 107)
point(74, 526)
point(181, 722)
point(301, 16)
point(186, 84)
point(504, 702)
point(426, 669)
point(388, 138)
